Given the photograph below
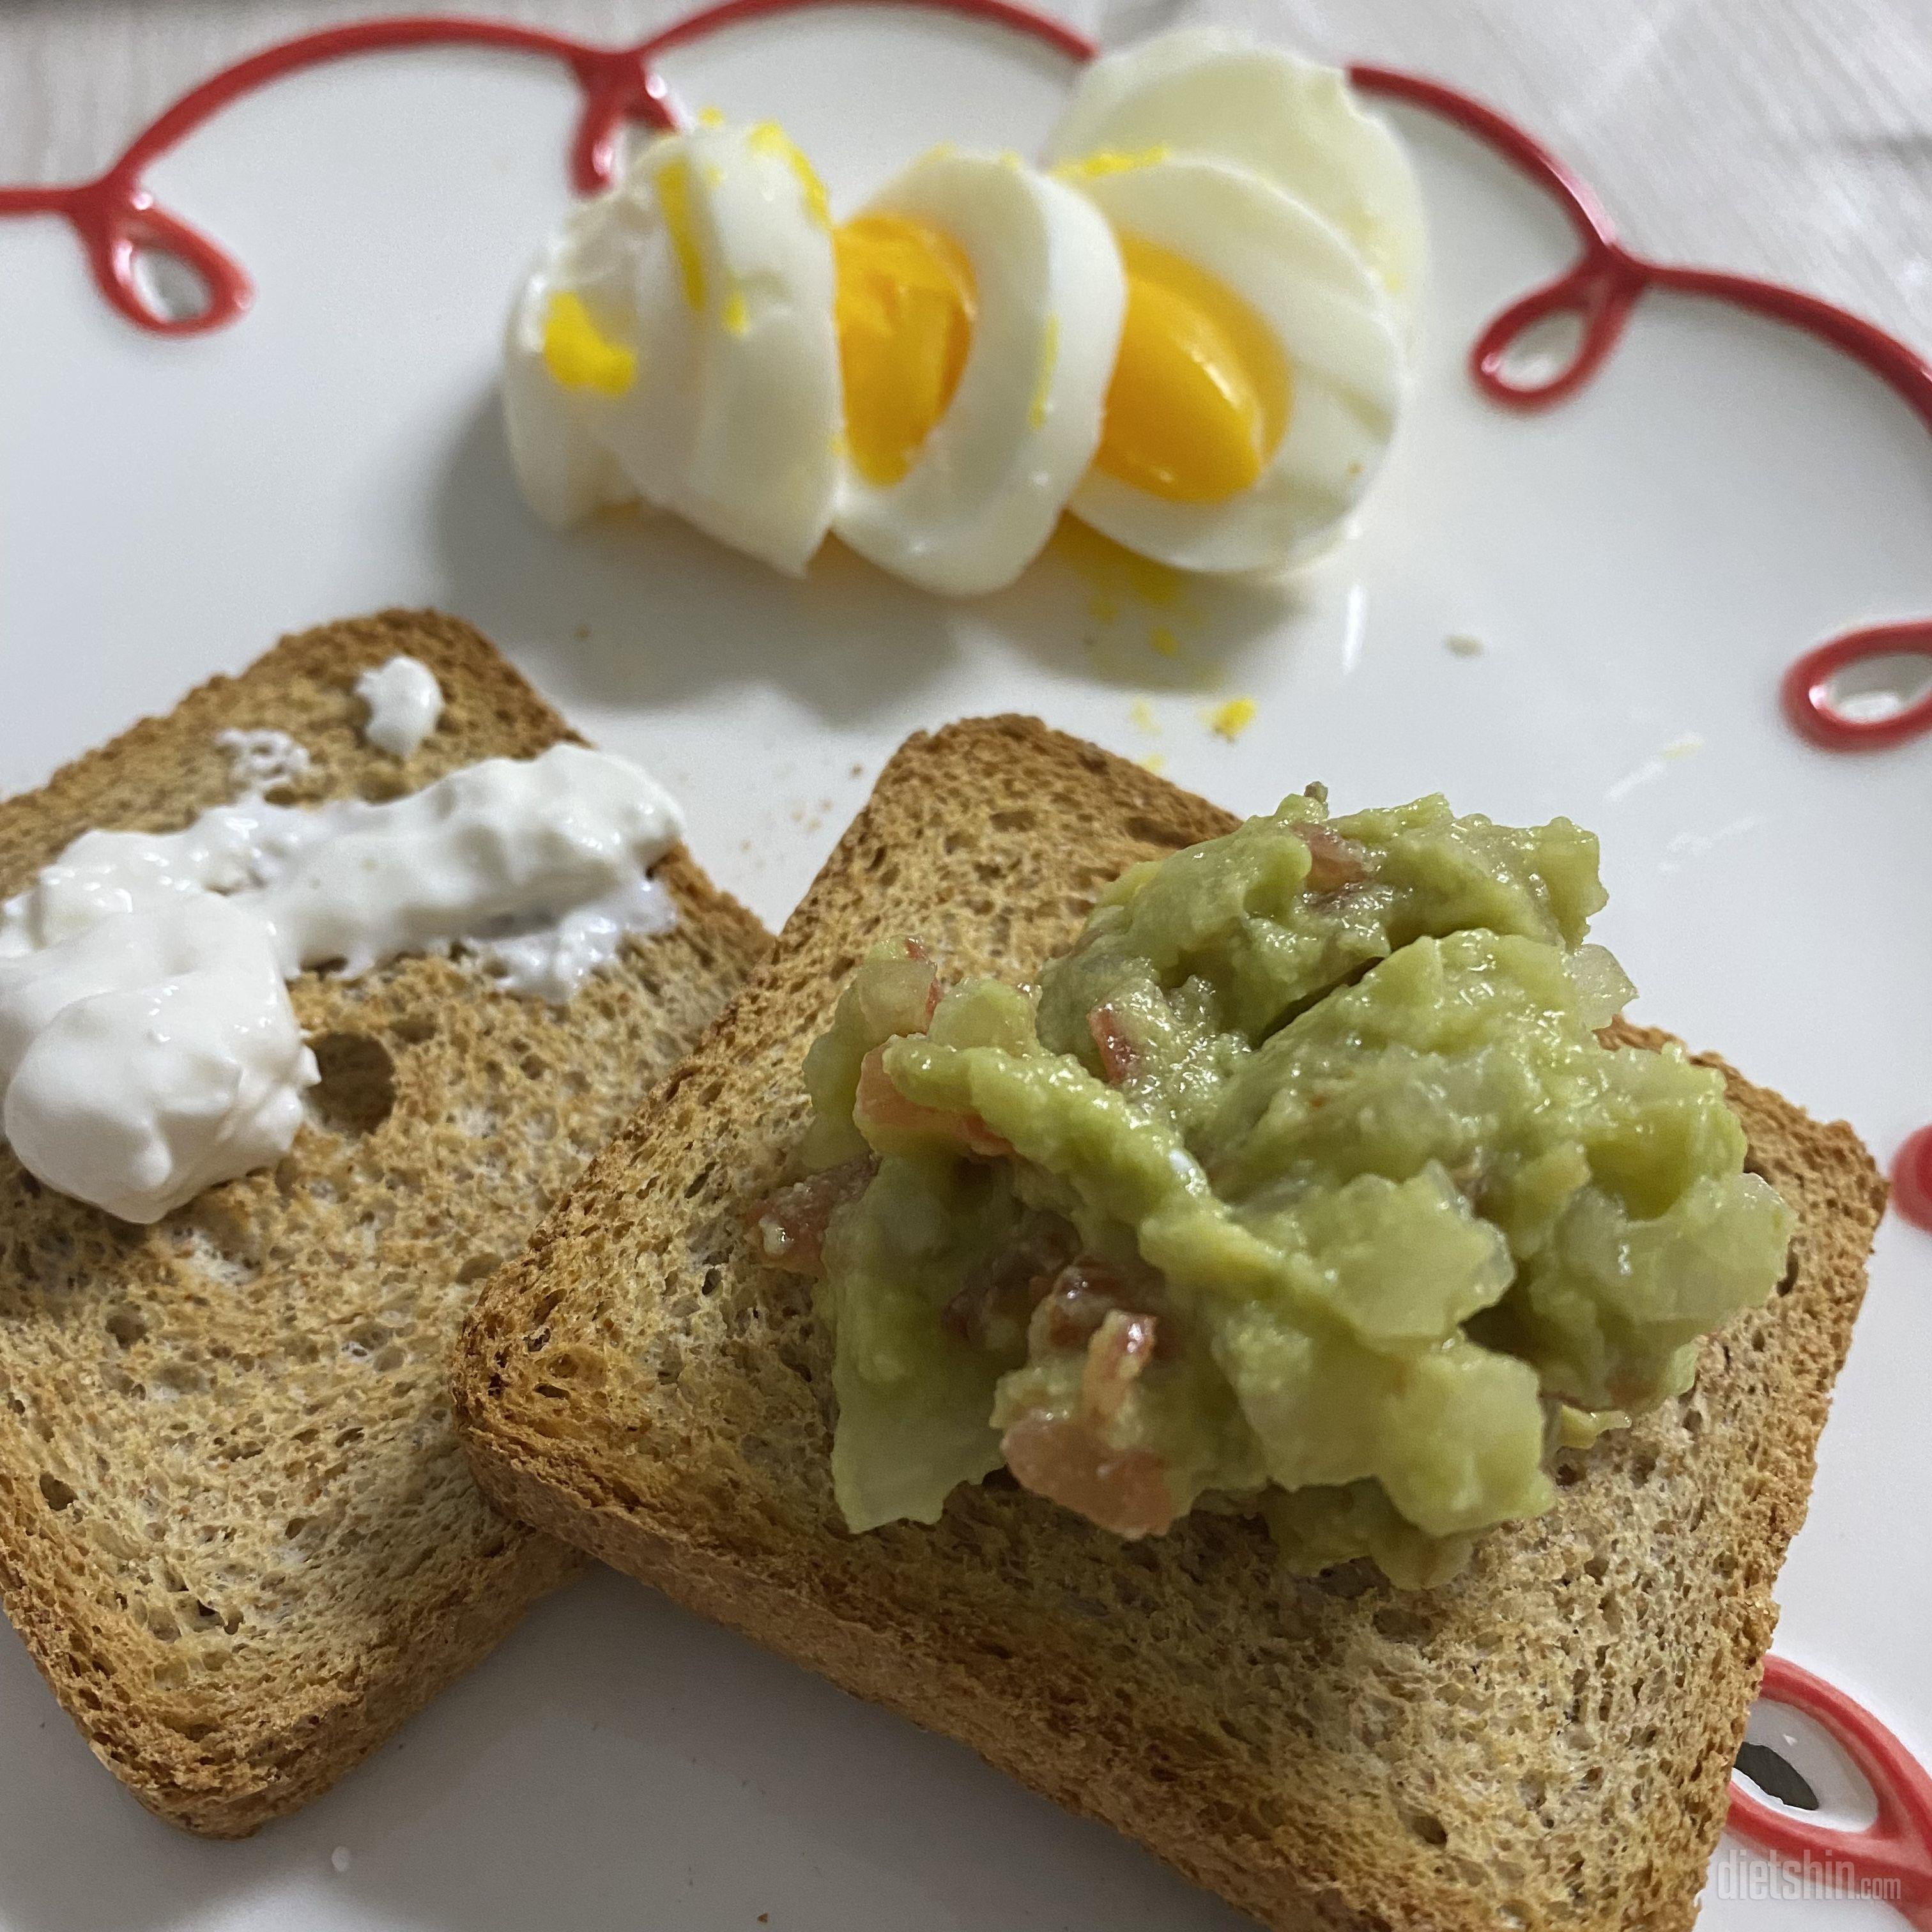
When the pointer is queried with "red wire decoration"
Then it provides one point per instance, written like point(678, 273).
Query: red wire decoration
point(1892, 1856)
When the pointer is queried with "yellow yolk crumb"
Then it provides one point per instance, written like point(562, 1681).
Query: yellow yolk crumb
point(578, 356)
point(1121, 584)
point(905, 312)
point(1155, 762)
point(711, 117)
point(1233, 718)
point(1201, 391)
point(1109, 161)
point(673, 187)
point(768, 138)
point(736, 316)
point(1141, 714)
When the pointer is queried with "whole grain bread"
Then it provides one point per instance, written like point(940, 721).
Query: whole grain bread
point(235, 1527)
point(1545, 1742)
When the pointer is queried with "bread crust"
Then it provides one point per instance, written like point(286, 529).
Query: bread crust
point(236, 1531)
point(1546, 1741)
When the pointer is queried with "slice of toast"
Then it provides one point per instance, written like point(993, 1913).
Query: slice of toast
point(236, 1530)
point(1544, 1741)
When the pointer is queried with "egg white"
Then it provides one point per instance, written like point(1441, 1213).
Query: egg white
point(1205, 91)
point(555, 434)
point(988, 484)
point(1335, 328)
point(732, 419)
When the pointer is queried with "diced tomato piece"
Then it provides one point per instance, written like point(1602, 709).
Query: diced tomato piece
point(880, 1104)
point(1080, 1297)
point(790, 1223)
point(1117, 1357)
point(995, 1305)
point(917, 948)
point(1064, 1458)
point(1119, 1055)
point(1337, 861)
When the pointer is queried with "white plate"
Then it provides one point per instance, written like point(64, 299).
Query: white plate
point(1639, 566)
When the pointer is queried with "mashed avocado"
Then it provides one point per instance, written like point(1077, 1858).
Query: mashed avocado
point(1304, 1187)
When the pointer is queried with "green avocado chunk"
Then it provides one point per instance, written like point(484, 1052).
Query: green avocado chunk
point(1305, 1187)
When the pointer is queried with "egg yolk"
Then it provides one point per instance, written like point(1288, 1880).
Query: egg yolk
point(905, 306)
point(1201, 391)
point(673, 187)
point(578, 355)
point(768, 138)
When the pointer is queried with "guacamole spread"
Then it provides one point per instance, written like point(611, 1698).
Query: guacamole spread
point(1302, 1186)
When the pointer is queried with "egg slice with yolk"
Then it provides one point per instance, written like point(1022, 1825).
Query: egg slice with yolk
point(978, 310)
point(1260, 373)
point(684, 332)
point(905, 308)
point(1208, 92)
point(1200, 390)
point(569, 355)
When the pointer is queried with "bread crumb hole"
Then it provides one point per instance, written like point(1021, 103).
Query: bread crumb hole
point(413, 1029)
point(57, 1494)
point(1400, 1625)
point(128, 1326)
point(357, 1092)
point(478, 1267)
point(366, 1338)
point(1423, 1824)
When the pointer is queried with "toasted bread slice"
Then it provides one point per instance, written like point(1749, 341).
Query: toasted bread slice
point(1544, 1741)
point(236, 1530)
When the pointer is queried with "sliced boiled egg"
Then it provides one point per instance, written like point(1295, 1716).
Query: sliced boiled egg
point(978, 308)
point(1260, 372)
point(684, 328)
point(569, 355)
point(1191, 332)
point(1207, 92)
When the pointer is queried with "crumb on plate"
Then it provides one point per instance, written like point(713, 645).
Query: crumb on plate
point(1232, 719)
